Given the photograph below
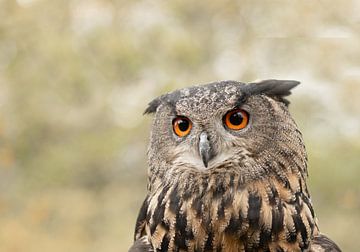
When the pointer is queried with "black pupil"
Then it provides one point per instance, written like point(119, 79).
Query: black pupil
point(183, 124)
point(236, 118)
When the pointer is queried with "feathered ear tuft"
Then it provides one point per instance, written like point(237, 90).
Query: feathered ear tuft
point(276, 89)
point(152, 106)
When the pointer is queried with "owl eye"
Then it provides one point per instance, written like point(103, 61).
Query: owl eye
point(236, 119)
point(182, 126)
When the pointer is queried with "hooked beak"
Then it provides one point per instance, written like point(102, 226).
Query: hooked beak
point(205, 148)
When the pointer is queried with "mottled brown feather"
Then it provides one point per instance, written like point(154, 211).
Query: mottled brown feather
point(254, 198)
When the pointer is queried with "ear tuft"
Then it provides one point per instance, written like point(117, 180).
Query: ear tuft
point(152, 107)
point(276, 89)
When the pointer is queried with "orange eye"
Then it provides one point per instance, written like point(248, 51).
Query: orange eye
point(236, 119)
point(182, 126)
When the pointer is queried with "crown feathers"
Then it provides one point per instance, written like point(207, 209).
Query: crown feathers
point(276, 89)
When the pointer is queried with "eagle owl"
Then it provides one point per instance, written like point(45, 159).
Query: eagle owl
point(227, 172)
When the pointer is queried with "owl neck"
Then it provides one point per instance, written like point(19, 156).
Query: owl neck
point(208, 209)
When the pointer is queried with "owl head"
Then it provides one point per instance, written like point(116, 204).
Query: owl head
point(244, 128)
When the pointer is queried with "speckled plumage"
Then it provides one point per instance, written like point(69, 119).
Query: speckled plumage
point(252, 196)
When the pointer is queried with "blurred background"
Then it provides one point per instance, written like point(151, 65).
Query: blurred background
point(75, 77)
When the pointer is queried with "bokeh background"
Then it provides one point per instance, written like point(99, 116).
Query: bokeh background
point(75, 77)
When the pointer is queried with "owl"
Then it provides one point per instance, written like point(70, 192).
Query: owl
point(227, 172)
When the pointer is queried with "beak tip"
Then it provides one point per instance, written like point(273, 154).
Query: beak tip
point(205, 158)
point(205, 164)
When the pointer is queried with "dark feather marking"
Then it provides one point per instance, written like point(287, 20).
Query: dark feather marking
point(207, 221)
point(301, 186)
point(221, 211)
point(265, 238)
point(292, 235)
point(227, 200)
point(174, 200)
point(225, 203)
point(219, 189)
point(277, 218)
point(300, 227)
point(308, 203)
point(273, 195)
point(148, 215)
point(189, 234)
point(298, 203)
point(159, 210)
point(165, 244)
point(187, 195)
point(165, 225)
point(242, 98)
point(234, 225)
point(142, 216)
point(180, 240)
point(180, 227)
point(181, 223)
point(291, 238)
point(157, 218)
point(161, 196)
point(254, 210)
point(188, 192)
point(196, 205)
point(231, 183)
point(209, 242)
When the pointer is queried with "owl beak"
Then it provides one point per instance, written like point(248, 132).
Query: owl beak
point(205, 148)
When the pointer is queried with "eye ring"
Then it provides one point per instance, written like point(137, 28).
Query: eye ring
point(236, 119)
point(181, 126)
